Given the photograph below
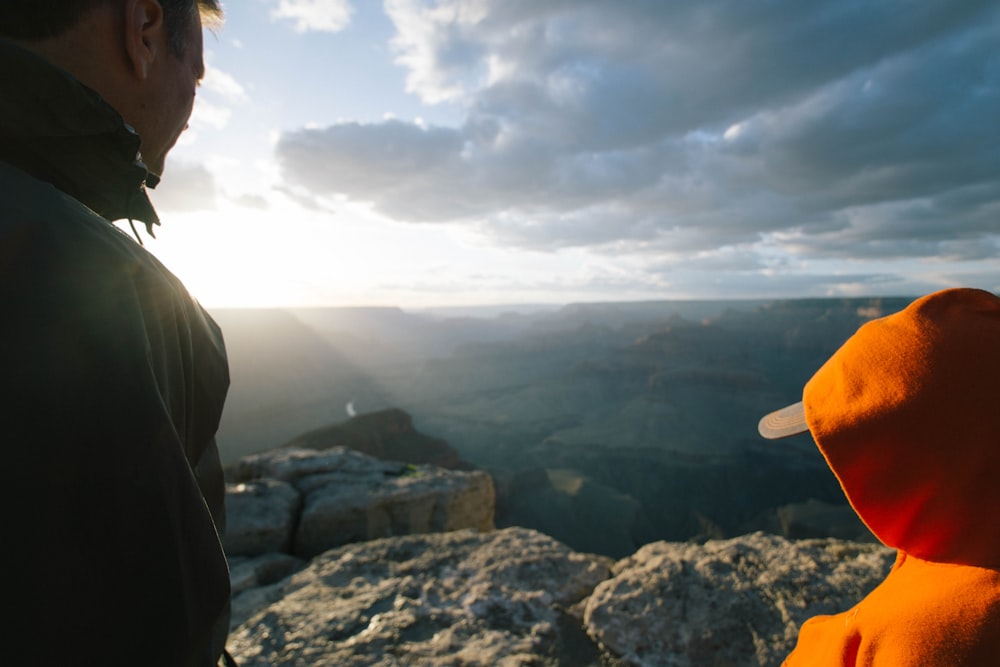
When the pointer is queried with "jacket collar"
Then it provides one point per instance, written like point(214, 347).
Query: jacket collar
point(60, 131)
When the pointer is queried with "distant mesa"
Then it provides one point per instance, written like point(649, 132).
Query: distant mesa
point(386, 434)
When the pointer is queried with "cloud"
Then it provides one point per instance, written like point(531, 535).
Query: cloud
point(212, 110)
point(842, 128)
point(315, 15)
point(185, 187)
point(224, 85)
point(208, 116)
point(257, 202)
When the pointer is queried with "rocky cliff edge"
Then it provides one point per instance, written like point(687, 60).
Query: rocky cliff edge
point(341, 559)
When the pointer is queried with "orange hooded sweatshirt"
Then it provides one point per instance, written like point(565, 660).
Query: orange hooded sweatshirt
point(907, 414)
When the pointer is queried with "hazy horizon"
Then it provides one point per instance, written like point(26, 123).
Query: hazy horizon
point(495, 309)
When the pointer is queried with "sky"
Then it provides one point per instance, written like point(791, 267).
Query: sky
point(420, 153)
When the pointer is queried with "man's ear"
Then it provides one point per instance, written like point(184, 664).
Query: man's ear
point(145, 34)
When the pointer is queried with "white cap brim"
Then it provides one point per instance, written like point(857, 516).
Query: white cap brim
point(784, 422)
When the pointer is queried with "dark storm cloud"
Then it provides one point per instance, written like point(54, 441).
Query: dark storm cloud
point(840, 128)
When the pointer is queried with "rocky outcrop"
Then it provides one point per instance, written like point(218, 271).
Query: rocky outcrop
point(518, 597)
point(337, 558)
point(460, 598)
point(261, 517)
point(304, 502)
point(256, 582)
point(727, 602)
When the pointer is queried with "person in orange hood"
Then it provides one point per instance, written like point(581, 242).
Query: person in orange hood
point(907, 415)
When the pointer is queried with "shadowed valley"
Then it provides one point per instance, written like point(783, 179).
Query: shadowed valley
point(607, 426)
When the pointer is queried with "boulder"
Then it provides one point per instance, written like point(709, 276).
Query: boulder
point(347, 496)
point(459, 598)
point(292, 463)
point(260, 517)
point(727, 602)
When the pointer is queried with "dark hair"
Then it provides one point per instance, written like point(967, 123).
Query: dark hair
point(34, 20)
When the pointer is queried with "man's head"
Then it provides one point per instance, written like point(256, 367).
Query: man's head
point(37, 20)
point(143, 56)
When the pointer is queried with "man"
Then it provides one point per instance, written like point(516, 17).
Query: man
point(113, 376)
point(907, 414)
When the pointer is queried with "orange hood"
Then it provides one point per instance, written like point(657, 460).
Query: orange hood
point(907, 414)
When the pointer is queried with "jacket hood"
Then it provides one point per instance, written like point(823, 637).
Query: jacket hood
point(907, 414)
point(64, 133)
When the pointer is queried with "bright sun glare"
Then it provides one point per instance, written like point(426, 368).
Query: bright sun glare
point(288, 256)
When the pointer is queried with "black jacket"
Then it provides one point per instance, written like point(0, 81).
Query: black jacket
point(113, 380)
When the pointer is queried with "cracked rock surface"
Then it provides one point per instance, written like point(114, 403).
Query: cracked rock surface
point(461, 598)
point(727, 602)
